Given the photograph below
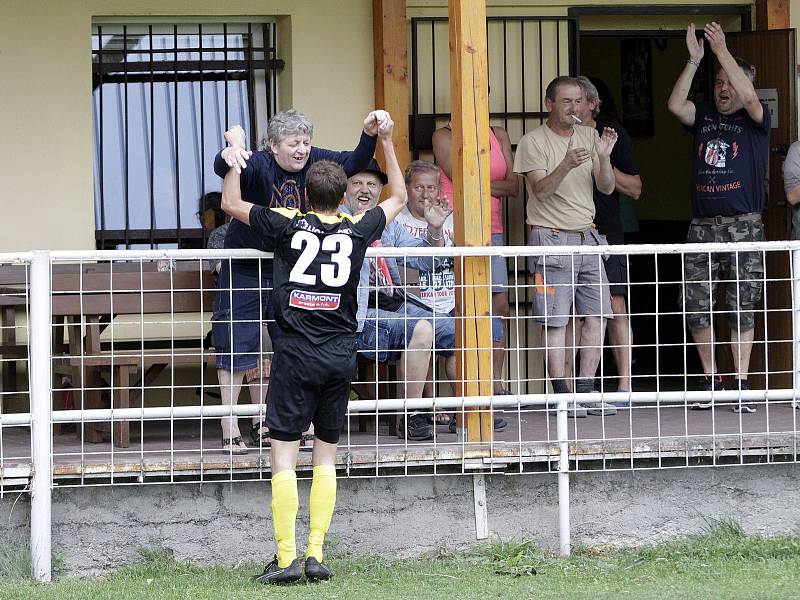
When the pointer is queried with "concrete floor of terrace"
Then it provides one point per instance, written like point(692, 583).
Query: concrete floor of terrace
point(645, 435)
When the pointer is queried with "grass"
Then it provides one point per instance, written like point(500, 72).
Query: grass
point(723, 563)
point(15, 561)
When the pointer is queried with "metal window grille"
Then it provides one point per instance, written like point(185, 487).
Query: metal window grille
point(163, 94)
point(524, 54)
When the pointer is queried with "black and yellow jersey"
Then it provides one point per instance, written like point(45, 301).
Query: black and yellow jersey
point(317, 265)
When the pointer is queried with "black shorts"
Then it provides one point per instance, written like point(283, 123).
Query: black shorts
point(617, 273)
point(310, 383)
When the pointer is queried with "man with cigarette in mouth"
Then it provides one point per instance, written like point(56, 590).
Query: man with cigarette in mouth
point(559, 161)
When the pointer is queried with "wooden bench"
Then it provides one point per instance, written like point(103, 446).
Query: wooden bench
point(121, 367)
point(87, 302)
point(86, 298)
point(376, 381)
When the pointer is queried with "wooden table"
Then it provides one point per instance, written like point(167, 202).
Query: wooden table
point(85, 300)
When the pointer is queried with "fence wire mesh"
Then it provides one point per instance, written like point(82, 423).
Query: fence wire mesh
point(15, 456)
point(138, 398)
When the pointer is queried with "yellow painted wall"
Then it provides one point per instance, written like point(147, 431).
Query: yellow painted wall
point(46, 116)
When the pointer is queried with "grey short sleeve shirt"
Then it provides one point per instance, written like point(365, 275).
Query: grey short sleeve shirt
point(791, 179)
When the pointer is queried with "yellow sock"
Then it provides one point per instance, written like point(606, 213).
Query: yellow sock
point(321, 503)
point(284, 515)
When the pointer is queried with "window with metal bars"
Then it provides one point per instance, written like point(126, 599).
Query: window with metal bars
point(163, 95)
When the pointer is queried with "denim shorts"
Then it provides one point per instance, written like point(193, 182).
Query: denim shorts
point(499, 267)
point(387, 333)
point(239, 310)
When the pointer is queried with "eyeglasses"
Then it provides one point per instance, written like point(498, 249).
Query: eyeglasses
point(431, 189)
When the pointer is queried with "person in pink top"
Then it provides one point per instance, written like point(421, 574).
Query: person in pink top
point(504, 183)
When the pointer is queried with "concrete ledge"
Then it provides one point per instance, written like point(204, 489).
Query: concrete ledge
point(100, 528)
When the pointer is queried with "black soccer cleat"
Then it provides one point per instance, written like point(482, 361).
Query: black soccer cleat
point(316, 571)
point(274, 574)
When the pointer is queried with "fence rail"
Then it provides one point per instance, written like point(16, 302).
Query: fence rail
point(114, 385)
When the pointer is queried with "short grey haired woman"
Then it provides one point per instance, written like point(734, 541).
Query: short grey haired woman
point(275, 177)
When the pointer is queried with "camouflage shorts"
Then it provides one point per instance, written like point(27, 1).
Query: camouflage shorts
point(741, 272)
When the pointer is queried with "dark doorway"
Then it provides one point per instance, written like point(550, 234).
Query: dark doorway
point(661, 216)
point(663, 153)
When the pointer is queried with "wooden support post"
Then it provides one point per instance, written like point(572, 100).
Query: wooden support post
point(120, 398)
point(471, 193)
point(772, 14)
point(389, 30)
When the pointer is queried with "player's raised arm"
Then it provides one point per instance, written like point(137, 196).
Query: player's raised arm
point(398, 196)
point(232, 202)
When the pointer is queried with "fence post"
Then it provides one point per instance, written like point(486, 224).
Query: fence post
point(563, 476)
point(481, 511)
point(795, 271)
point(39, 366)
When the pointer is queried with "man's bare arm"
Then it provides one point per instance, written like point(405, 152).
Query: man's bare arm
point(604, 176)
point(679, 103)
point(793, 195)
point(740, 82)
point(232, 202)
point(543, 184)
point(630, 185)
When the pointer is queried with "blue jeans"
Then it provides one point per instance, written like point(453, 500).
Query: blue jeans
point(242, 300)
point(386, 333)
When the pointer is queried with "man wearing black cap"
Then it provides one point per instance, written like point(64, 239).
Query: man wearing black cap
point(389, 319)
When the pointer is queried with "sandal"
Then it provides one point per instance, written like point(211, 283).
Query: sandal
point(259, 434)
point(234, 445)
point(442, 419)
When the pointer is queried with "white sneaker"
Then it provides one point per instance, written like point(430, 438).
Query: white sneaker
point(600, 408)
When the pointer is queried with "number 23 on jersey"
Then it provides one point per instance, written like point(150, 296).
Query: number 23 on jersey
point(333, 274)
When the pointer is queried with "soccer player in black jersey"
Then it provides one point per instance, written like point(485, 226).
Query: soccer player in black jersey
point(318, 258)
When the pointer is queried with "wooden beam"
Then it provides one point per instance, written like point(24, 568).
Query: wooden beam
point(772, 14)
point(389, 30)
point(471, 199)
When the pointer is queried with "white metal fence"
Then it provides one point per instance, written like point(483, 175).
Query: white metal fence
point(113, 384)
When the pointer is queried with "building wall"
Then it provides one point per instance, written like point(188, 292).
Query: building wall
point(46, 117)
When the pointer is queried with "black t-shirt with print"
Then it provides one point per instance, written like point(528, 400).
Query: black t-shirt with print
point(265, 183)
point(607, 216)
point(729, 162)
